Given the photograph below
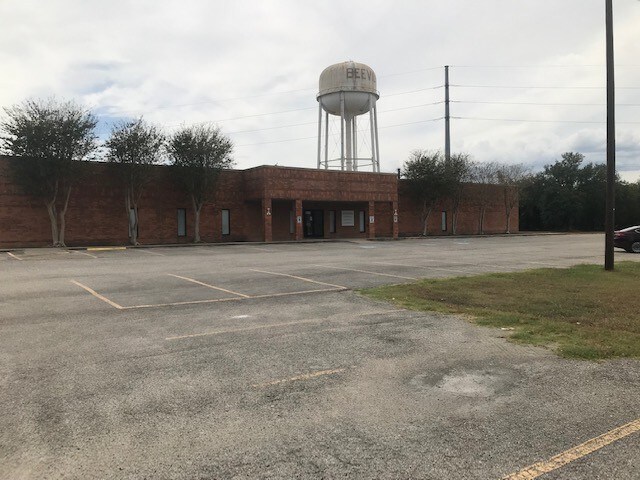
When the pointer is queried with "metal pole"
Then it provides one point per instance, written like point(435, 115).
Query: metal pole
point(355, 144)
point(342, 130)
point(611, 143)
point(447, 131)
point(373, 145)
point(319, 133)
point(375, 122)
point(326, 140)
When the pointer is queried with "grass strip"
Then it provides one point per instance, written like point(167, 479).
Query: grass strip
point(580, 312)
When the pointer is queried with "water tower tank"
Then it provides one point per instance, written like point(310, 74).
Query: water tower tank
point(347, 90)
point(356, 80)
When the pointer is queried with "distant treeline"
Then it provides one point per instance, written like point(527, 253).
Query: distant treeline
point(568, 195)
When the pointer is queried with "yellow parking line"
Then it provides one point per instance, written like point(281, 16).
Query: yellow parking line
point(306, 376)
point(209, 286)
point(103, 249)
point(299, 278)
point(590, 446)
point(367, 271)
point(97, 295)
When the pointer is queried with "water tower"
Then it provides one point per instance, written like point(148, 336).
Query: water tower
point(348, 90)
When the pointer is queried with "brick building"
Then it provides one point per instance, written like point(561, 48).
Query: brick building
point(258, 204)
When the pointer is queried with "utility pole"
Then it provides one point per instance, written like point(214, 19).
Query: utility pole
point(610, 207)
point(447, 131)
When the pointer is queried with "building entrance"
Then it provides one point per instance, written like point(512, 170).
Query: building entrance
point(313, 224)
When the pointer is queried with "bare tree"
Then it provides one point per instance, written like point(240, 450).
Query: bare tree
point(425, 181)
point(484, 175)
point(510, 177)
point(199, 154)
point(49, 139)
point(135, 147)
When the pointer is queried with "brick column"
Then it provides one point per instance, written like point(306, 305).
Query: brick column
point(298, 219)
point(394, 213)
point(372, 216)
point(267, 214)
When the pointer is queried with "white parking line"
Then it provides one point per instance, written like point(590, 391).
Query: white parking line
point(14, 256)
point(421, 266)
point(85, 253)
point(300, 278)
point(97, 295)
point(152, 253)
point(367, 271)
point(209, 286)
point(277, 325)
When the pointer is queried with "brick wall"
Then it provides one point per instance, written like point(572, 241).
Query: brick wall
point(97, 215)
point(468, 214)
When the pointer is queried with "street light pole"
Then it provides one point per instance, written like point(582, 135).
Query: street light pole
point(609, 224)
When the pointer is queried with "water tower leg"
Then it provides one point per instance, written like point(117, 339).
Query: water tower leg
point(349, 137)
point(326, 141)
point(373, 144)
point(319, 133)
point(376, 167)
point(354, 148)
point(342, 120)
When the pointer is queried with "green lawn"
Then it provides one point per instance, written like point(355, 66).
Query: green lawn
point(582, 312)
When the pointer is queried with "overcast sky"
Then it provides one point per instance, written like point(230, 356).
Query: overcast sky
point(252, 68)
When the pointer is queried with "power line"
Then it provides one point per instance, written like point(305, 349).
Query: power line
point(315, 137)
point(540, 86)
point(538, 121)
point(315, 123)
point(541, 66)
point(548, 104)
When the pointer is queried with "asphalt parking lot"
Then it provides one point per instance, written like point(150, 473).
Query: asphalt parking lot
point(262, 361)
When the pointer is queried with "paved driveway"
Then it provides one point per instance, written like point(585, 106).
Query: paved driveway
point(260, 361)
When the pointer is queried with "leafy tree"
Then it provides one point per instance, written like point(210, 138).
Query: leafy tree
point(591, 191)
point(510, 177)
point(424, 172)
point(49, 139)
point(485, 176)
point(135, 146)
point(199, 154)
point(627, 204)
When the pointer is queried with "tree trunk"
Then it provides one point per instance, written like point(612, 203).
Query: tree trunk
point(482, 211)
point(508, 211)
point(51, 209)
point(62, 216)
point(134, 230)
point(196, 225)
point(426, 213)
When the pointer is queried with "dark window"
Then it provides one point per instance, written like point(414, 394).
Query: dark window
point(226, 222)
point(182, 222)
point(362, 221)
point(332, 221)
point(444, 221)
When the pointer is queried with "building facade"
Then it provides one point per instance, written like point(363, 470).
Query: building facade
point(265, 203)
